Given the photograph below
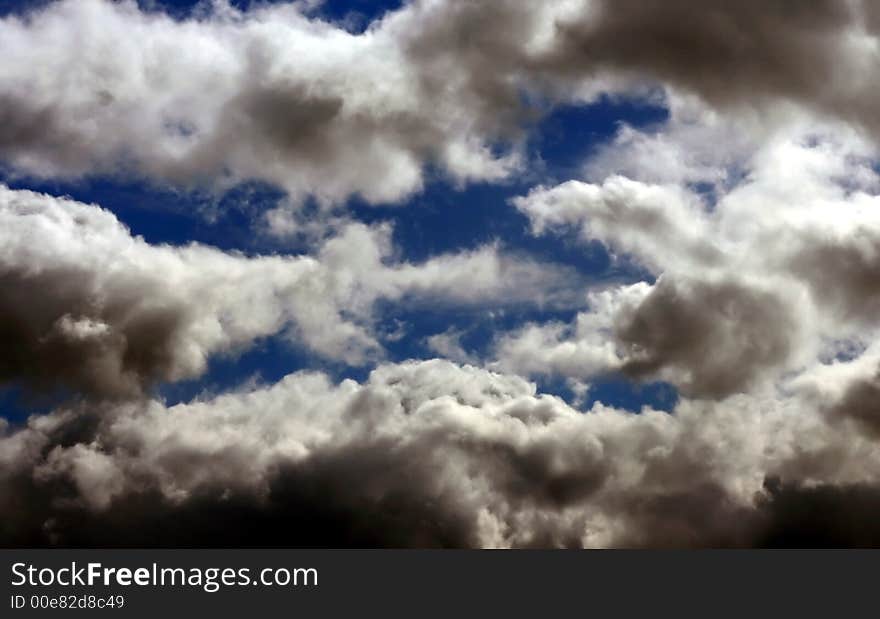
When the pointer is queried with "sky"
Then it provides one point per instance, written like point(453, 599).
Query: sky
point(439, 273)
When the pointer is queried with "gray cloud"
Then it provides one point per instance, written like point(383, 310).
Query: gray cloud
point(842, 270)
point(796, 515)
point(742, 54)
point(55, 335)
point(859, 403)
point(711, 338)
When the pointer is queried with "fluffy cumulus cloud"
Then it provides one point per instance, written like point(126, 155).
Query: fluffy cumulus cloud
point(742, 232)
point(270, 94)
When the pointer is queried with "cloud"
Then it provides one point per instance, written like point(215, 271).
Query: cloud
point(225, 96)
point(795, 515)
point(448, 346)
point(708, 338)
point(846, 390)
point(695, 145)
point(584, 348)
point(428, 454)
point(88, 306)
point(630, 217)
point(746, 54)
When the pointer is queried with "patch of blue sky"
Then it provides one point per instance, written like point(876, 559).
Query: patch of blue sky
point(477, 326)
point(355, 15)
point(273, 358)
point(476, 331)
point(18, 403)
point(263, 363)
point(570, 134)
point(20, 7)
point(619, 392)
point(613, 390)
point(163, 215)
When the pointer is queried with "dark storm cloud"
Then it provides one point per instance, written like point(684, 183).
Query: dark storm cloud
point(368, 496)
point(784, 514)
point(750, 54)
point(702, 516)
point(792, 514)
point(729, 53)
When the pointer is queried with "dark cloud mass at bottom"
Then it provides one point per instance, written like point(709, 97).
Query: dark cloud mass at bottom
point(328, 505)
point(423, 454)
point(305, 513)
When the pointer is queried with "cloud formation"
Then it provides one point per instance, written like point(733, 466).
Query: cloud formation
point(274, 94)
point(87, 306)
point(268, 94)
point(434, 454)
point(770, 272)
point(748, 223)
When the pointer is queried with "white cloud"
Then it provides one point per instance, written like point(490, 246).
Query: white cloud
point(269, 94)
point(448, 345)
